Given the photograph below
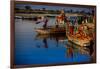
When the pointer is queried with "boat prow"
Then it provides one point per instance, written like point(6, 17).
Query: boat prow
point(41, 31)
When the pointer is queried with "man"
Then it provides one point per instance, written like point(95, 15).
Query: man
point(60, 20)
point(44, 20)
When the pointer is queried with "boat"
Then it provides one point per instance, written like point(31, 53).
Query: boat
point(78, 40)
point(50, 30)
point(82, 36)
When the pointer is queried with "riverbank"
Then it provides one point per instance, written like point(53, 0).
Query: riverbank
point(52, 15)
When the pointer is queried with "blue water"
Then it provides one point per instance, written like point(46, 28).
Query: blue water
point(31, 49)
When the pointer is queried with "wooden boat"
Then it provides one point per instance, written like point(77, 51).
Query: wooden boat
point(50, 30)
point(81, 38)
point(79, 41)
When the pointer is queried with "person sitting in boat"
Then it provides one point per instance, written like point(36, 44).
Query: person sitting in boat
point(75, 26)
point(44, 20)
point(83, 30)
point(71, 27)
point(67, 26)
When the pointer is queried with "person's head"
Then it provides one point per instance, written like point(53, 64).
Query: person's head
point(42, 17)
point(62, 11)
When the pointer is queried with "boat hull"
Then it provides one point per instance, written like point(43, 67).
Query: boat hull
point(78, 41)
point(50, 31)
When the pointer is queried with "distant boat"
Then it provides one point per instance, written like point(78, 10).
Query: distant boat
point(18, 17)
point(51, 30)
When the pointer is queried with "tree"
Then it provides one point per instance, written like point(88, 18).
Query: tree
point(28, 7)
point(43, 9)
point(93, 12)
point(77, 11)
point(71, 11)
point(82, 12)
point(17, 8)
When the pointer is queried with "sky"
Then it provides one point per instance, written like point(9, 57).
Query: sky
point(22, 6)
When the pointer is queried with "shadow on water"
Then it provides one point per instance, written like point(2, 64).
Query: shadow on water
point(88, 50)
point(55, 37)
point(91, 48)
point(71, 48)
point(45, 43)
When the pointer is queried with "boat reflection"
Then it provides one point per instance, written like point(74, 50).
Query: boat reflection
point(71, 49)
point(45, 43)
point(55, 37)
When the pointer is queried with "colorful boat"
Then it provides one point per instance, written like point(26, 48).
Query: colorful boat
point(79, 41)
point(82, 36)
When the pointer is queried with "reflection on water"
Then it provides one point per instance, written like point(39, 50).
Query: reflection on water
point(32, 48)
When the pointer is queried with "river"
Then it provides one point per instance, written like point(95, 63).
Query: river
point(34, 49)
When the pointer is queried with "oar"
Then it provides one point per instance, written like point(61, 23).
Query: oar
point(38, 22)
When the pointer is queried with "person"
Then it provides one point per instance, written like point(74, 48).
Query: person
point(75, 27)
point(67, 26)
point(44, 19)
point(60, 20)
point(80, 31)
point(63, 17)
point(71, 28)
point(45, 22)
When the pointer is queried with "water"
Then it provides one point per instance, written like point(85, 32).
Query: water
point(31, 48)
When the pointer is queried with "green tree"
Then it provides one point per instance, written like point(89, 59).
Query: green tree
point(17, 8)
point(43, 9)
point(71, 11)
point(28, 8)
